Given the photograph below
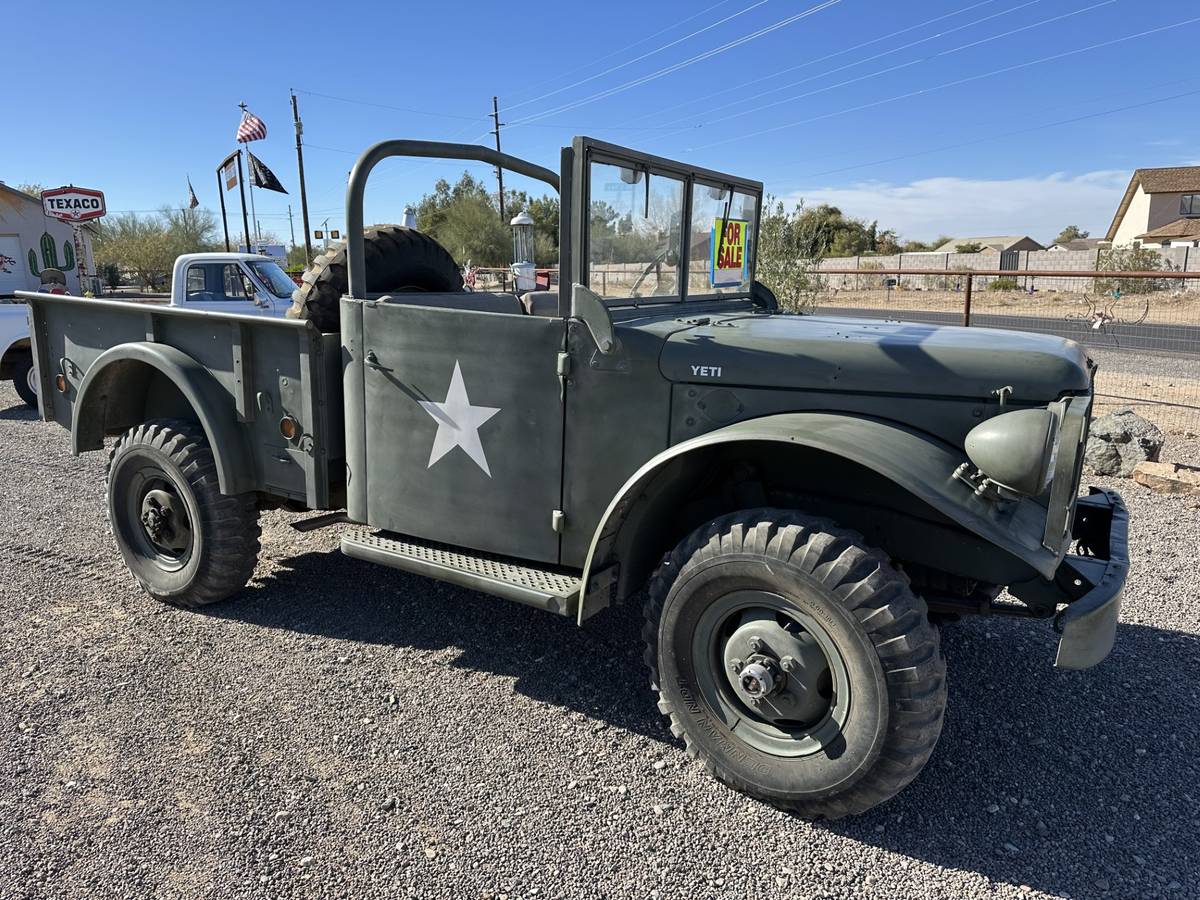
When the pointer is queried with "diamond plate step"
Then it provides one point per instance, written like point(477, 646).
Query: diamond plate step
point(549, 589)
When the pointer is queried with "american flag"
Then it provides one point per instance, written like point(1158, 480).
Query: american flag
point(252, 128)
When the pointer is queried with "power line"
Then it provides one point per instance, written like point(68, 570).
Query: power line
point(889, 69)
point(667, 70)
point(850, 65)
point(954, 83)
point(636, 43)
point(812, 62)
point(403, 109)
point(646, 55)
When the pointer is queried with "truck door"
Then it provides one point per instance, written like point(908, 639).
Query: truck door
point(221, 287)
point(464, 418)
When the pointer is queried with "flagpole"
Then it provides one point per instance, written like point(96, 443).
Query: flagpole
point(249, 168)
point(242, 190)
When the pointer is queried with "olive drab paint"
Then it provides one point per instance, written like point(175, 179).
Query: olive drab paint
point(551, 453)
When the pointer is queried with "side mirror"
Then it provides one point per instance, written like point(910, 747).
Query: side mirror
point(588, 307)
point(763, 297)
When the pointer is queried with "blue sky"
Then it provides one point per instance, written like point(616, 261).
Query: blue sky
point(932, 116)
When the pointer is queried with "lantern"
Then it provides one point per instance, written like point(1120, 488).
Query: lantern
point(522, 265)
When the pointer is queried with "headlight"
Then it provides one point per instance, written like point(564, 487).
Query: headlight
point(1016, 450)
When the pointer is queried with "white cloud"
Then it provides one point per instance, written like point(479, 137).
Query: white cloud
point(1037, 206)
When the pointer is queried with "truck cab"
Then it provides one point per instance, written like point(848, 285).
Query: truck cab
point(246, 283)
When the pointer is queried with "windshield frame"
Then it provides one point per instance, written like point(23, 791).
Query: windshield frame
point(588, 150)
point(263, 281)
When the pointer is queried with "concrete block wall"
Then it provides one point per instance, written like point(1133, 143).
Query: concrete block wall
point(1178, 259)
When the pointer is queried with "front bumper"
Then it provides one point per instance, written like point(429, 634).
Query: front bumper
point(1096, 575)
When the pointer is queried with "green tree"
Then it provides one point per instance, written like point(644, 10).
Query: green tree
point(297, 258)
point(1070, 233)
point(968, 247)
point(32, 188)
point(785, 262)
point(924, 246)
point(137, 244)
point(465, 219)
point(190, 230)
point(887, 242)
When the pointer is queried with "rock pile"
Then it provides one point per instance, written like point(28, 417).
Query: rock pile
point(1119, 441)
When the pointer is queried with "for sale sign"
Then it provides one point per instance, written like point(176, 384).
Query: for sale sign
point(729, 252)
point(73, 204)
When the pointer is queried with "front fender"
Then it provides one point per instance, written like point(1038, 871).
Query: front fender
point(110, 375)
point(918, 462)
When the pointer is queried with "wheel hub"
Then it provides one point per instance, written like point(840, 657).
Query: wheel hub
point(758, 679)
point(165, 522)
point(778, 669)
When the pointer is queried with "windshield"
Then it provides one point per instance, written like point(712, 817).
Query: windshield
point(721, 263)
point(275, 279)
point(635, 233)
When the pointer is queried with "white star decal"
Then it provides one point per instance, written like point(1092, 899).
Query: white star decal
point(458, 423)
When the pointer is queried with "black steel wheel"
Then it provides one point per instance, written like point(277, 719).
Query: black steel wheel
point(795, 662)
point(25, 381)
point(185, 542)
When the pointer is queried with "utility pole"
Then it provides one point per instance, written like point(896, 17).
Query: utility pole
point(499, 171)
point(325, 234)
point(308, 254)
point(291, 226)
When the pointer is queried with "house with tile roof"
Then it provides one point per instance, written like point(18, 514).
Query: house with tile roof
point(1160, 208)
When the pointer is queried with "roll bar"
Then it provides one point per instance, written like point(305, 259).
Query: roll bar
point(356, 261)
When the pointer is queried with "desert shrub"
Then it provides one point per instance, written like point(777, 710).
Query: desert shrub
point(1129, 259)
point(1003, 283)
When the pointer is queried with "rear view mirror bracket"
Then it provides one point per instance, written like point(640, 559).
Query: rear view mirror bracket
point(588, 307)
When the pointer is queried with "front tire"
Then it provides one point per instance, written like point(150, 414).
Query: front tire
point(25, 381)
point(795, 662)
point(185, 542)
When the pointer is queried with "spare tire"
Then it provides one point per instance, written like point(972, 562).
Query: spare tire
point(398, 259)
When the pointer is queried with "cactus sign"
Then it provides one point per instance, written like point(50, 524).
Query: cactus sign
point(73, 204)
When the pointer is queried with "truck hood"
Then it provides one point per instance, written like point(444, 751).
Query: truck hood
point(827, 353)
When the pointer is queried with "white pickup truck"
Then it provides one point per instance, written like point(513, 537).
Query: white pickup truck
point(16, 359)
point(245, 283)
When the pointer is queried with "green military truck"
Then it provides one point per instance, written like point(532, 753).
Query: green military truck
point(795, 499)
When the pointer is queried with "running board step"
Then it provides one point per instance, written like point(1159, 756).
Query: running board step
point(546, 589)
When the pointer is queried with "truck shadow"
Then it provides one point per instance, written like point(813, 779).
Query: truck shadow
point(1069, 782)
point(19, 412)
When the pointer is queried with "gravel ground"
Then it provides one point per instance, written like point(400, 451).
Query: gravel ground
point(346, 730)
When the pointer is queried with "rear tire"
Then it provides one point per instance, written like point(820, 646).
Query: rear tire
point(185, 542)
point(844, 703)
point(25, 381)
point(397, 259)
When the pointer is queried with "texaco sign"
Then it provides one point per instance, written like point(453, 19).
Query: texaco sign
point(73, 204)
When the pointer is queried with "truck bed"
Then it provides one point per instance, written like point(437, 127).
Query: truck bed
point(252, 371)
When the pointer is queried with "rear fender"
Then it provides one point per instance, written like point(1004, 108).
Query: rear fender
point(919, 463)
point(117, 378)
